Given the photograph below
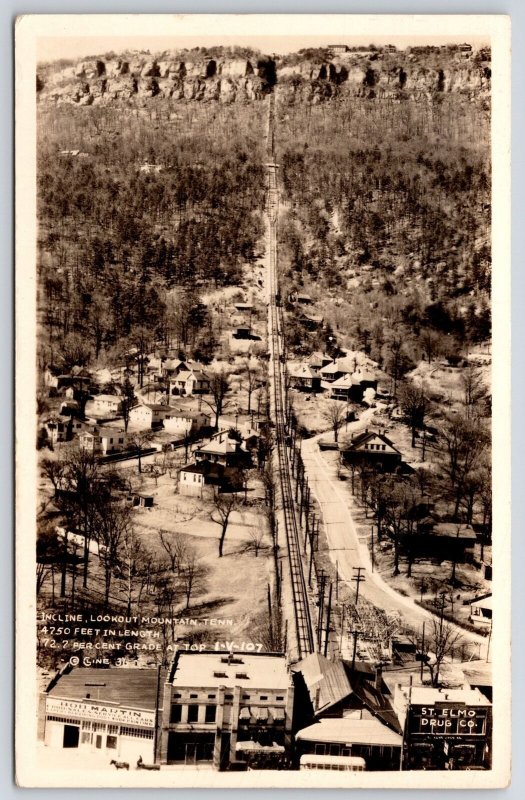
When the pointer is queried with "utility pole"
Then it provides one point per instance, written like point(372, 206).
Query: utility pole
point(422, 654)
point(336, 581)
point(372, 548)
point(270, 623)
point(328, 614)
point(322, 582)
point(358, 579)
point(342, 630)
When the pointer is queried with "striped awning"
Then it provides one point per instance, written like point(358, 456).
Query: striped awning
point(260, 713)
point(278, 713)
point(245, 713)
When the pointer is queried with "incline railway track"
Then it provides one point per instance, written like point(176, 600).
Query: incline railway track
point(303, 622)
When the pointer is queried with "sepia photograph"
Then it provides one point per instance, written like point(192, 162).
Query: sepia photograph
point(263, 370)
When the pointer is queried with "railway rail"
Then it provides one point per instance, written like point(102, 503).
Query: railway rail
point(301, 603)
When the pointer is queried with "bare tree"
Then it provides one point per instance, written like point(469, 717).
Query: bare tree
point(138, 440)
point(252, 377)
point(256, 540)
point(335, 415)
point(219, 385)
point(191, 573)
point(175, 548)
point(223, 505)
point(113, 523)
point(441, 641)
point(474, 390)
point(414, 405)
point(462, 442)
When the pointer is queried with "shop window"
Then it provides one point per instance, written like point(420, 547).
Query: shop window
point(136, 733)
point(111, 742)
point(193, 713)
point(176, 713)
point(87, 737)
point(211, 713)
point(113, 729)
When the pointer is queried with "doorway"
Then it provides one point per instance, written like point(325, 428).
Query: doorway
point(71, 735)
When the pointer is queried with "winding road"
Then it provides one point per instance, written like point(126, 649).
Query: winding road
point(346, 548)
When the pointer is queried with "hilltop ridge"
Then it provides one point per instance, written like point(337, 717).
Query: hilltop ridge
point(312, 77)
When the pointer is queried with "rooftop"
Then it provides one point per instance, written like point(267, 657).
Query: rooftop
point(352, 730)
point(107, 398)
point(453, 530)
point(326, 681)
point(263, 671)
point(426, 696)
point(123, 686)
point(219, 448)
point(483, 602)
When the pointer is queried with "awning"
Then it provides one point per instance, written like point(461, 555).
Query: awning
point(255, 747)
point(278, 713)
point(260, 713)
point(347, 730)
point(245, 713)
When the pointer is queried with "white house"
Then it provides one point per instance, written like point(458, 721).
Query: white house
point(182, 423)
point(189, 382)
point(103, 441)
point(104, 405)
point(193, 478)
point(149, 415)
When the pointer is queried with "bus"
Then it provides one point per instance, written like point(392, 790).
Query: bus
point(342, 763)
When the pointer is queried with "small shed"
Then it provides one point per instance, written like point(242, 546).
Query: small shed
point(141, 500)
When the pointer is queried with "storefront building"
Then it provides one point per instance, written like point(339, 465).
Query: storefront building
point(221, 708)
point(104, 712)
point(445, 728)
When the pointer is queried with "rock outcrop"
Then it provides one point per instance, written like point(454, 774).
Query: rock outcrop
point(99, 82)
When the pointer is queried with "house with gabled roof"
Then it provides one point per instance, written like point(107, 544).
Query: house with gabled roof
point(310, 321)
point(224, 451)
point(345, 710)
point(330, 372)
point(305, 378)
point(342, 388)
point(188, 382)
point(319, 360)
point(373, 448)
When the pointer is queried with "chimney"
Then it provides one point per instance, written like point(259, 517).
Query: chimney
point(379, 676)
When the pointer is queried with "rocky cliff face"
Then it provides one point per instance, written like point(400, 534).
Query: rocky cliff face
point(130, 80)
